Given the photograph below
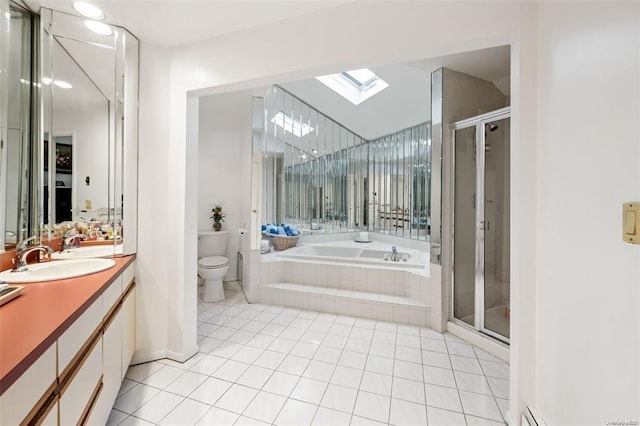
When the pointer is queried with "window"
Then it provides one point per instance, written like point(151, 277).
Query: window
point(356, 86)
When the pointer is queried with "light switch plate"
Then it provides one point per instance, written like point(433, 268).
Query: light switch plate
point(631, 222)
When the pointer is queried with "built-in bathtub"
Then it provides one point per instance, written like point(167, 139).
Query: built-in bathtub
point(355, 253)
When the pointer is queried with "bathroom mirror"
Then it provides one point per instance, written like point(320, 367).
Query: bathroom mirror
point(324, 178)
point(15, 132)
point(89, 96)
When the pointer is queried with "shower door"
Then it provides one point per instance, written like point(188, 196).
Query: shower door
point(481, 223)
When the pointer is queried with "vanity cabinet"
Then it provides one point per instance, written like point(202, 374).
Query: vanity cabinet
point(76, 380)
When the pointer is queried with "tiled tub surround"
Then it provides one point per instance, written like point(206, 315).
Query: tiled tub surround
point(262, 364)
point(375, 291)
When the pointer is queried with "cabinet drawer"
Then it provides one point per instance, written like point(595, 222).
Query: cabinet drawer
point(75, 398)
point(111, 295)
point(19, 400)
point(78, 333)
point(128, 275)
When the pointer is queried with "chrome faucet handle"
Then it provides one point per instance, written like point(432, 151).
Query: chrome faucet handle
point(22, 245)
point(72, 242)
point(20, 261)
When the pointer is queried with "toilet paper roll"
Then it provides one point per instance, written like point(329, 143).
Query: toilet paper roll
point(363, 236)
point(242, 231)
point(264, 244)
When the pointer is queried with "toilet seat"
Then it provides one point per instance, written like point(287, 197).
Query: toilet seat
point(213, 262)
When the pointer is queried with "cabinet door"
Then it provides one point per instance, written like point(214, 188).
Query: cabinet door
point(128, 330)
point(76, 398)
point(111, 370)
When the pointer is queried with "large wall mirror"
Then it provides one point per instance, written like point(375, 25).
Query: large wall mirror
point(89, 92)
point(16, 25)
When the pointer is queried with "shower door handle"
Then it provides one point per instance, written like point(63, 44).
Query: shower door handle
point(485, 225)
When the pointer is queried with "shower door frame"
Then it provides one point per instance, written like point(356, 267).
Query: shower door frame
point(479, 122)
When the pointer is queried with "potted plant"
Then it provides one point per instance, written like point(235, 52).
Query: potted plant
point(218, 217)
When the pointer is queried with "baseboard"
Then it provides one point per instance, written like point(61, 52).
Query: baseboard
point(497, 349)
point(142, 357)
point(182, 356)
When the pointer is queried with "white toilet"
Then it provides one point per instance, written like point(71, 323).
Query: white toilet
point(212, 264)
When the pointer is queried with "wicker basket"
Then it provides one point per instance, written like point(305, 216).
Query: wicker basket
point(281, 242)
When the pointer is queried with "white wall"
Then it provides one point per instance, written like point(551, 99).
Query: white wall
point(221, 170)
point(588, 326)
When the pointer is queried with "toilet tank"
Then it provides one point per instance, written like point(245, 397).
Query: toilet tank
point(212, 243)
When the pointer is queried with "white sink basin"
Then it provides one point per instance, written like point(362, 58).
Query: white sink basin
point(57, 270)
point(89, 251)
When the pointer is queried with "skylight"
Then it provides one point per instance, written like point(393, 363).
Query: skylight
point(356, 85)
point(291, 125)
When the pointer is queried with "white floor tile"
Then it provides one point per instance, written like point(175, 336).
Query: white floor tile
point(442, 397)
point(404, 353)
point(339, 398)
point(361, 421)
point(362, 333)
point(434, 345)
point(376, 383)
point(248, 421)
point(161, 378)
point(296, 413)
point(208, 364)
point(158, 407)
point(347, 376)
point(319, 370)
point(461, 349)
point(135, 421)
point(468, 365)
point(439, 376)
point(292, 333)
point(210, 391)
point(380, 365)
point(357, 345)
point(384, 337)
point(236, 398)
point(320, 326)
point(498, 370)
point(408, 390)
point(340, 330)
point(315, 337)
point(186, 383)
point(478, 421)
point(305, 350)
point(503, 405)
point(408, 370)
point(353, 359)
point(436, 359)
point(269, 359)
point(255, 377)
point(261, 341)
point(126, 386)
point(499, 387)
point(408, 341)
point(439, 417)
point(404, 413)
point(485, 355)
point(224, 332)
point(281, 383)
point(282, 345)
point(187, 412)
point(226, 349)
point(382, 349)
point(309, 390)
point(472, 383)
point(387, 326)
point(140, 372)
point(294, 365)
point(265, 407)
point(480, 405)
point(247, 354)
point(231, 370)
point(328, 417)
point(208, 344)
point(372, 406)
point(116, 417)
point(335, 341)
point(132, 400)
point(328, 354)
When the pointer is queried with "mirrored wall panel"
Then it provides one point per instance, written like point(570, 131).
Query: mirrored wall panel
point(16, 91)
point(89, 93)
point(324, 178)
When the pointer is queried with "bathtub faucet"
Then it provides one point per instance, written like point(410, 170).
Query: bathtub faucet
point(394, 254)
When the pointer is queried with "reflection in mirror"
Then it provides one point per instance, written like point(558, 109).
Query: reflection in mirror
point(324, 178)
point(84, 92)
point(15, 134)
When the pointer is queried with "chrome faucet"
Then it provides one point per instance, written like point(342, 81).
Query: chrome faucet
point(72, 242)
point(20, 260)
point(394, 254)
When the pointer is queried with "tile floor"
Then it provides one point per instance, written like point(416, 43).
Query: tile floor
point(261, 365)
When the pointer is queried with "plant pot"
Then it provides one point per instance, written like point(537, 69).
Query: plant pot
point(217, 226)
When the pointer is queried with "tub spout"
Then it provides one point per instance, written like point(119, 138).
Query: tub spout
point(394, 254)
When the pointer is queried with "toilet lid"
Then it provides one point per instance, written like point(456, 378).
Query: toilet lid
point(213, 262)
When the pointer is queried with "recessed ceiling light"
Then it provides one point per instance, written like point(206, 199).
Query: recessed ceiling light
point(98, 27)
point(62, 84)
point(88, 11)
